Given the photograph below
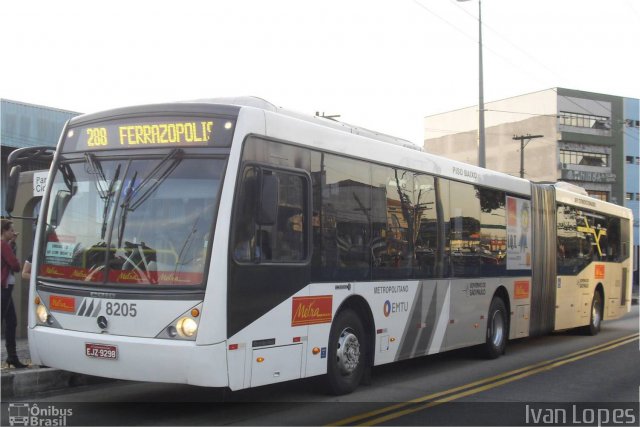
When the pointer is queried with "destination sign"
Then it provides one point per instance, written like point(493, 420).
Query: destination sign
point(155, 132)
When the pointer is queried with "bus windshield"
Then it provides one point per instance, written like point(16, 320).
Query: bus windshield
point(131, 221)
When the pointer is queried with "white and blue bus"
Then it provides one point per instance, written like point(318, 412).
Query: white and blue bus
point(231, 243)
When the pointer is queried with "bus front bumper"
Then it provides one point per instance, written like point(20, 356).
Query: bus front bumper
point(138, 359)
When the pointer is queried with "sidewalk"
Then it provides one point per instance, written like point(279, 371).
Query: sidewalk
point(18, 383)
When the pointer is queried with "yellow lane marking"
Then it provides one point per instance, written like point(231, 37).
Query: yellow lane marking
point(490, 382)
point(490, 386)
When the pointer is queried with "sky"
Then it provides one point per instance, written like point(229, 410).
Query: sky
point(379, 64)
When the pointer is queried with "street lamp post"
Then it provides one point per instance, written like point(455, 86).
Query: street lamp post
point(481, 134)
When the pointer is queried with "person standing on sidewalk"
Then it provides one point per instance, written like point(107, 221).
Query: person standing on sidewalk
point(10, 265)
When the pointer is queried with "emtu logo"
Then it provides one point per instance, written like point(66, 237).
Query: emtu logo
point(390, 308)
point(387, 308)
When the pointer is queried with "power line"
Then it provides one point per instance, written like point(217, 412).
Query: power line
point(527, 54)
point(473, 39)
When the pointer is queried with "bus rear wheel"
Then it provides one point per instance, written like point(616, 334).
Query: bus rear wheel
point(497, 330)
point(596, 315)
point(347, 353)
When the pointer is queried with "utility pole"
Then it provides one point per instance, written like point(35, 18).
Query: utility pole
point(482, 156)
point(521, 138)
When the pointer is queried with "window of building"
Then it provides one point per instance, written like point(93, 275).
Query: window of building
point(584, 120)
point(600, 195)
point(584, 158)
point(629, 160)
point(628, 196)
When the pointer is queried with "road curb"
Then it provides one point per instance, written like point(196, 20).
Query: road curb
point(29, 381)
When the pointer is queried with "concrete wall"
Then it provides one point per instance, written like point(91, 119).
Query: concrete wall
point(503, 152)
point(508, 110)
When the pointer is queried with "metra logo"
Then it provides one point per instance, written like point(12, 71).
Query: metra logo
point(66, 304)
point(52, 271)
point(394, 307)
point(79, 274)
point(311, 310)
point(172, 277)
point(128, 276)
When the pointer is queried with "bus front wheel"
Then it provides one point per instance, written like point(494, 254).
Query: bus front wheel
point(596, 315)
point(347, 353)
point(497, 329)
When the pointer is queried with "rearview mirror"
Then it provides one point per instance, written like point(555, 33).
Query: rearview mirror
point(12, 188)
point(59, 205)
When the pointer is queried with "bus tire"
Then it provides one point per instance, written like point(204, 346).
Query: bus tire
point(347, 353)
point(595, 321)
point(497, 329)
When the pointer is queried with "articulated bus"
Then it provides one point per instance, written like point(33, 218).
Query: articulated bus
point(232, 243)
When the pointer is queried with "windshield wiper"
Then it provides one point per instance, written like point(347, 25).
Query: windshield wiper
point(187, 243)
point(107, 202)
point(68, 176)
point(93, 167)
point(162, 170)
point(125, 210)
point(136, 196)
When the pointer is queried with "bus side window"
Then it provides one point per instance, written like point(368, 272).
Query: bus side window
point(291, 225)
point(245, 247)
point(281, 238)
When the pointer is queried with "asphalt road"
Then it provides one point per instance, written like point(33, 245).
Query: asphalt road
point(565, 377)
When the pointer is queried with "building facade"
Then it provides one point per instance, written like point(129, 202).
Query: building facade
point(584, 138)
point(28, 125)
point(632, 169)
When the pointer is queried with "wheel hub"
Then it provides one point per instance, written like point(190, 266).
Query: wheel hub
point(348, 352)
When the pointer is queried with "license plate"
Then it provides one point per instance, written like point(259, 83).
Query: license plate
point(101, 351)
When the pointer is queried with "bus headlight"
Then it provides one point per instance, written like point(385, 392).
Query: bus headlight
point(187, 327)
point(42, 313)
point(184, 327)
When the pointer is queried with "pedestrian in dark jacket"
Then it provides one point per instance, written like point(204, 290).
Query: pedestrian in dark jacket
point(10, 265)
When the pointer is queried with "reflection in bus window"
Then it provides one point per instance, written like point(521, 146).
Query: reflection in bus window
point(286, 239)
point(346, 202)
point(583, 237)
point(160, 229)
